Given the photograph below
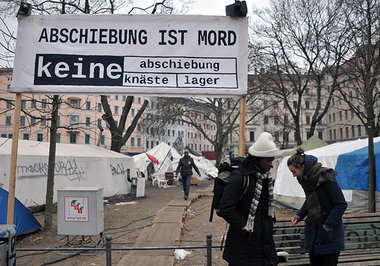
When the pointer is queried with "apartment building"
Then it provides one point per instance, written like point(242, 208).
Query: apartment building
point(79, 117)
point(275, 118)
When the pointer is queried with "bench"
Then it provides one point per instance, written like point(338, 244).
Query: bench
point(362, 239)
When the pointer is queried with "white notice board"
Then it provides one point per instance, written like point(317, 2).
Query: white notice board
point(131, 54)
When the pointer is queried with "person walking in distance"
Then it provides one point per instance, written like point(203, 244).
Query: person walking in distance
point(324, 208)
point(185, 165)
point(250, 211)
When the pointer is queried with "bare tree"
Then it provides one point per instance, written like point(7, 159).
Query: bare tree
point(300, 51)
point(361, 75)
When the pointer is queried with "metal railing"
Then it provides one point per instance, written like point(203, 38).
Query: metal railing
point(108, 249)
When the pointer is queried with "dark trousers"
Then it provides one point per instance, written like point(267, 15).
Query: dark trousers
point(186, 184)
point(324, 260)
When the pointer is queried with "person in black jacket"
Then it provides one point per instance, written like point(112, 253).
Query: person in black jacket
point(185, 165)
point(324, 208)
point(251, 213)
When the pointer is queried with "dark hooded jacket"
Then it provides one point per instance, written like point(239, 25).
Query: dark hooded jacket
point(185, 165)
point(243, 248)
point(328, 240)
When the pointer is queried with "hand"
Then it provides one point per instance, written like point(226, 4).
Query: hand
point(294, 221)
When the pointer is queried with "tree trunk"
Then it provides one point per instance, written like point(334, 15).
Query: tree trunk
point(51, 166)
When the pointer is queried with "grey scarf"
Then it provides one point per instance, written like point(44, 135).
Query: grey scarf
point(255, 200)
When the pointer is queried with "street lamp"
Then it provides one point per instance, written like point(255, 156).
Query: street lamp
point(238, 9)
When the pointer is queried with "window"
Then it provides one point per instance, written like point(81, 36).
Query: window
point(40, 137)
point(353, 131)
point(87, 139)
point(265, 103)
point(346, 114)
point(341, 133)
point(23, 104)
point(102, 140)
point(352, 114)
point(132, 142)
point(10, 136)
point(320, 135)
point(43, 103)
point(3, 135)
point(173, 133)
point(169, 132)
point(22, 121)
point(139, 100)
point(359, 130)
point(33, 104)
point(147, 144)
point(99, 107)
point(276, 119)
point(74, 120)
point(88, 105)
point(99, 122)
point(347, 132)
point(25, 136)
point(116, 110)
point(43, 121)
point(74, 103)
point(265, 119)
point(151, 144)
point(124, 98)
point(88, 121)
point(334, 117)
point(307, 104)
point(340, 116)
point(73, 137)
point(32, 121)
point(308, 120)
point(295, 104)
point(8, 120)
point(58, 137)
point(9, 105)
point(330, 118)
point(334, 134)
point(116, 97)
point(58, 121)
point(330, 132)
point(139, 142)
point(133, 112)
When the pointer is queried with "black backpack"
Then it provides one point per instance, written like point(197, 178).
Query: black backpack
point(224, 172)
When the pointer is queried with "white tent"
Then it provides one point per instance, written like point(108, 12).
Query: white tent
point(75, 166)
point(164, 153)
point(287, 187)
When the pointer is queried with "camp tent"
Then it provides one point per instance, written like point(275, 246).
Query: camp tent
point(350, 155)
point(76, 165)
point(168, 159)
point(23, 218)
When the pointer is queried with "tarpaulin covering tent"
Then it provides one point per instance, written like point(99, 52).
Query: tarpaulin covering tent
point(168, 159)
point(76, 165)
point(23, 218)
point(350, 156)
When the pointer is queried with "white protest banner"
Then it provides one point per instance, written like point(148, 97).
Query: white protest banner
point(164, 55)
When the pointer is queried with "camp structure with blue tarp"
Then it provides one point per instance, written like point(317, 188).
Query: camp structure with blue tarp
point(350, 160)
point(23, 218)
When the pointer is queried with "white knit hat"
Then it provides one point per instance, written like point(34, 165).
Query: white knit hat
point(264, 146)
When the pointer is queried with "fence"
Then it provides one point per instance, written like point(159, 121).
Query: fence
point(108, 249)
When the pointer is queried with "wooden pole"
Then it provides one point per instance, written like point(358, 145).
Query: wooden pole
point(243, 102)
point(12, 172)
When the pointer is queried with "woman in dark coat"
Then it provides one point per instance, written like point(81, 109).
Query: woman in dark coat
point(324, 208)
point(250, 213)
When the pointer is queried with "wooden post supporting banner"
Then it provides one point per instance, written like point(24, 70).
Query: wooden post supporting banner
point(12, 172)
point(243, 102)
